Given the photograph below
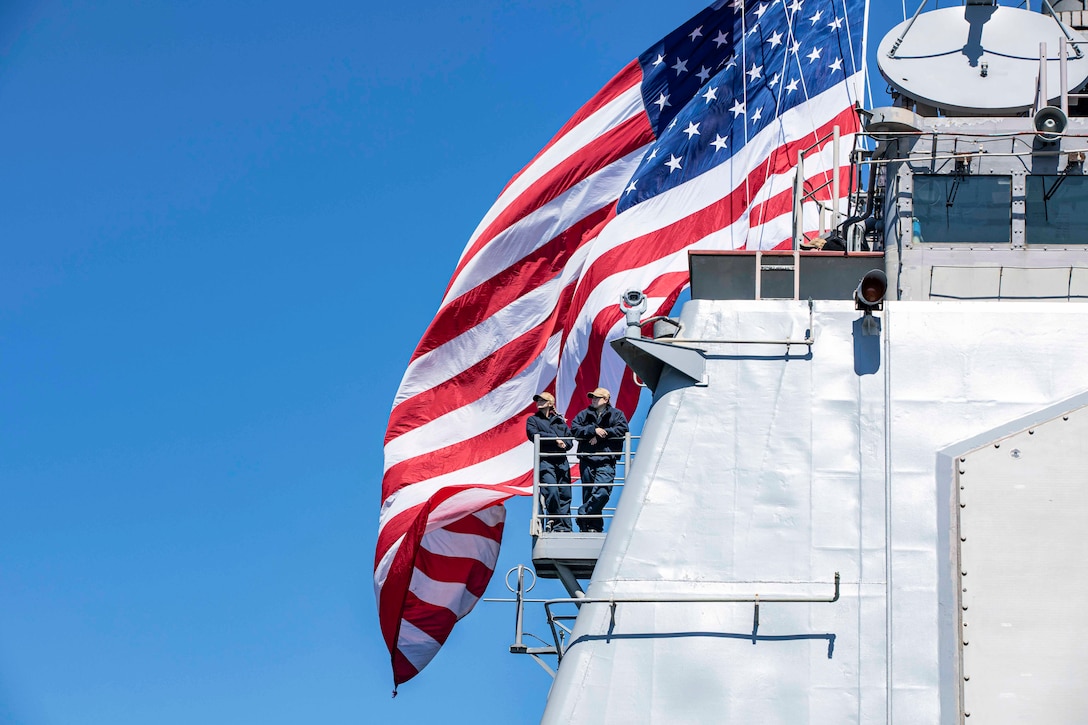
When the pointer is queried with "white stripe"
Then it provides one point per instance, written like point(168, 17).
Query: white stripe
point(417, 646)
point(604, 119)
point(465, 546)
point(471, 499)
point(493, 471)
point(492, 516)
point(479, 416)
point(381, 570)
point(544, 224)
point(471, 346)
point(453, 596)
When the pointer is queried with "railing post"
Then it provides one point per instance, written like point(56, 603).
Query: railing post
point(535, 528)
point(1063, 74)
point(835, 178)
point(519, 646)
point(798, 191)
point(1043, 92)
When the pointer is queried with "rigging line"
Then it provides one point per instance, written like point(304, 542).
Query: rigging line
point(766, 191)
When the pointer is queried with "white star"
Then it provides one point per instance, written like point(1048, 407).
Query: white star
point(703, 74)
point(652, 156)
point(732, 62)
point(697, 33)
point(837, 65)
point(719, 142)
point(680, 67)
point(659, 61)
point(791, 86)
point(755, 72)
point(661, 102)
point(796, 6)
point(720, 39)
point(674, 163)
point(630, 187)
point(692, 130)
point(796, 47)
point(775, 40)
point(816, 18)
point(711, 94)
point(737, 109)
point(757, 115)
point(774, 81)
point(814, 55)
point(671, 125)
point(836, 25)
point(760, 10)
point(738, 4)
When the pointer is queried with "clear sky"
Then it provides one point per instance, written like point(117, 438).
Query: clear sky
point(225, 226)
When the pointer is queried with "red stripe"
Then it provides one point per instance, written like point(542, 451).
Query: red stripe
point(474, 382)
point(500, 438)
point(454, 570)
point(394, 590)
point(474, 526)
point(403, 522)
point(527, 274)
point(403, 670)
point(433, 620)
point(631, 75)
point(591, 158)
point(782, 203)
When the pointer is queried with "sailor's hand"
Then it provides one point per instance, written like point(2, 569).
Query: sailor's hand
point(562, 445)
point(593, 441)
point(601, 433)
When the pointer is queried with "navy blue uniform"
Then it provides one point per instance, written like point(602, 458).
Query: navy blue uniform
point(597, 459)
point(554, 469)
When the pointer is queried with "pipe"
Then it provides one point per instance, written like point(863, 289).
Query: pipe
point(868, 202)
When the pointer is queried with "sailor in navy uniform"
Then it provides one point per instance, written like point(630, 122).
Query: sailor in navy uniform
point(600, 430)
point(554, 469)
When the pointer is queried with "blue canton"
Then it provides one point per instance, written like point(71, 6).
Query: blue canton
point(729, 73)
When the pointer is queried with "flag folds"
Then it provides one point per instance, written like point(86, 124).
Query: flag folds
point(690, 146)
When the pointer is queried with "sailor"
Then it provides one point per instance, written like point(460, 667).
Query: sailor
point(600, 430)
point(554, 469)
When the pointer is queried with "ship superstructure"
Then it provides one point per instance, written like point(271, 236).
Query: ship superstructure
point(858, 495)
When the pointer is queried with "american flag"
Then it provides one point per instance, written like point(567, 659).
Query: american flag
point(691, 146)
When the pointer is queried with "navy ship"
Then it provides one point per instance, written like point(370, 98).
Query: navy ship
point(858, 493)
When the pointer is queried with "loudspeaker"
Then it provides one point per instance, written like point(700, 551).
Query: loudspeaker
point(1050, 123)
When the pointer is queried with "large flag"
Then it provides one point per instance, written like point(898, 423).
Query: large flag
point(691, 146)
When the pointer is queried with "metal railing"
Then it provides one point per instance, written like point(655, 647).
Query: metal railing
point(624, 458)
point(562, 633)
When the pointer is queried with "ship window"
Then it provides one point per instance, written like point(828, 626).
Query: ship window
point(1056, 209)
point(962, 209)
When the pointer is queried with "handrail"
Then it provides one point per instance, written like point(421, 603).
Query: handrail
point(561, 632)
point(624, 458)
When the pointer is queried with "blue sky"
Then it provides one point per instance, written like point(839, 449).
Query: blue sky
point(225, 227)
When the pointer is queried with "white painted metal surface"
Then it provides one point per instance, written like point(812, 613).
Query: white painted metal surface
point(782, 471)
point(1023, 564)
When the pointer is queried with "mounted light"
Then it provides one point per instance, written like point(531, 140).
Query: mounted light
point(869, 296)
point(870, 293)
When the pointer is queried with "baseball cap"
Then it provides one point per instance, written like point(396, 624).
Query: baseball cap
point(544, 398)
point(601, 393)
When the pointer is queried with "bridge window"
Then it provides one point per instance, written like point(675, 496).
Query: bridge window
point(960, 209)
point(1056, 209)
